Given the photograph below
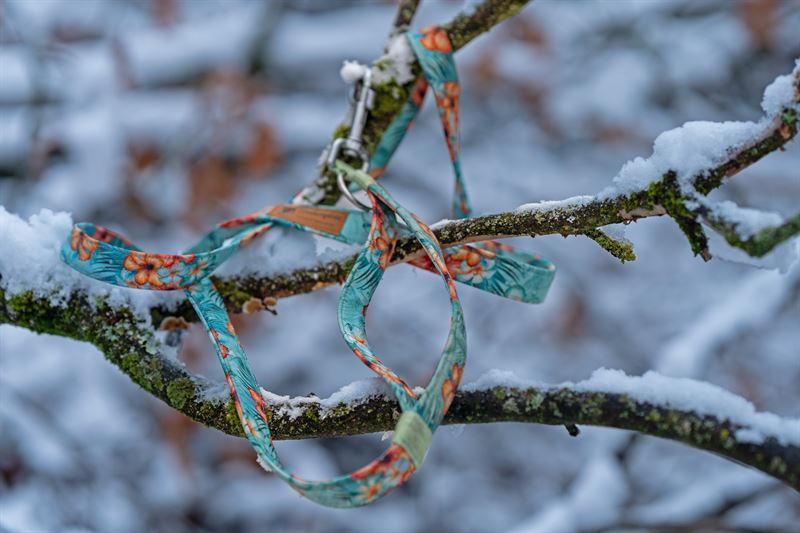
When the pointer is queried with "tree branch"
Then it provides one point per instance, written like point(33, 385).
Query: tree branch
point(578, 216)
point(758, 244)
point(130, 343)
point(482, 18)
point(406, 9)
point(581, 216)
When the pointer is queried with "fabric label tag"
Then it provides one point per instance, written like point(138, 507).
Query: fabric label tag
point(414, 435)
point(327, 220)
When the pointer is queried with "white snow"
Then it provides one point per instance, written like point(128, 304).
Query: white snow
point(692, 149)
point(781, 258)
point(551, 205)
point(700, 145)
point(396, 62)
point(499, 378)
point(677, 393)
point(687, 150)
point(782, 92)
point(352, 394)
point(30, 261)
point(748, 221)
point(440, 223)
point(700, 397)
point(29, 251)
point(352, 71)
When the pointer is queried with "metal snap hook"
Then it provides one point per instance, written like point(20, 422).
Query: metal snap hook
point(362, 99)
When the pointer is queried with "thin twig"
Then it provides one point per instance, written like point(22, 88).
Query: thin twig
point(406, 9)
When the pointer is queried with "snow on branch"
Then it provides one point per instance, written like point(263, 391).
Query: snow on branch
point(29, 264)
point(752, 230)
point(692, 412)
point(672, 183)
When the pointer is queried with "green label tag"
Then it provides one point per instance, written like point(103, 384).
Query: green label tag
point(414, 435)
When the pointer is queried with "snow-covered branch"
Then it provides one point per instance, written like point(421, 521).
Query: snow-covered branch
point(687, 164)
point(683, 410)
point(754, 231)
point(671, 182)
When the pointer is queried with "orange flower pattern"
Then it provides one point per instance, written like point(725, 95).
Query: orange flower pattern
point(450, 385)
point(447, 101)
point(145, 268)
point(83, 244)
point(418, 92)
point(435, 39)
point(384, 238)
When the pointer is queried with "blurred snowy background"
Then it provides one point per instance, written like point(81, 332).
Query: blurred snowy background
point(162, 117)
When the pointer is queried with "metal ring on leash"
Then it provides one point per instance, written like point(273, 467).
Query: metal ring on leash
point(349, 146)
point(349, 195)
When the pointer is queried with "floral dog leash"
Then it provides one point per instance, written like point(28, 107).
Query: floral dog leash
point(107, 256)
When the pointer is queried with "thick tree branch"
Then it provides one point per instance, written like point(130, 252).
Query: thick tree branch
point(130, 344)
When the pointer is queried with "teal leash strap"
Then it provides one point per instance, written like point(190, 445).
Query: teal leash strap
point(104, 255)
point(107, 256)
point(490, 266)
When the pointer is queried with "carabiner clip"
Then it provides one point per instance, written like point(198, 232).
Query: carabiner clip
point(352, 144)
